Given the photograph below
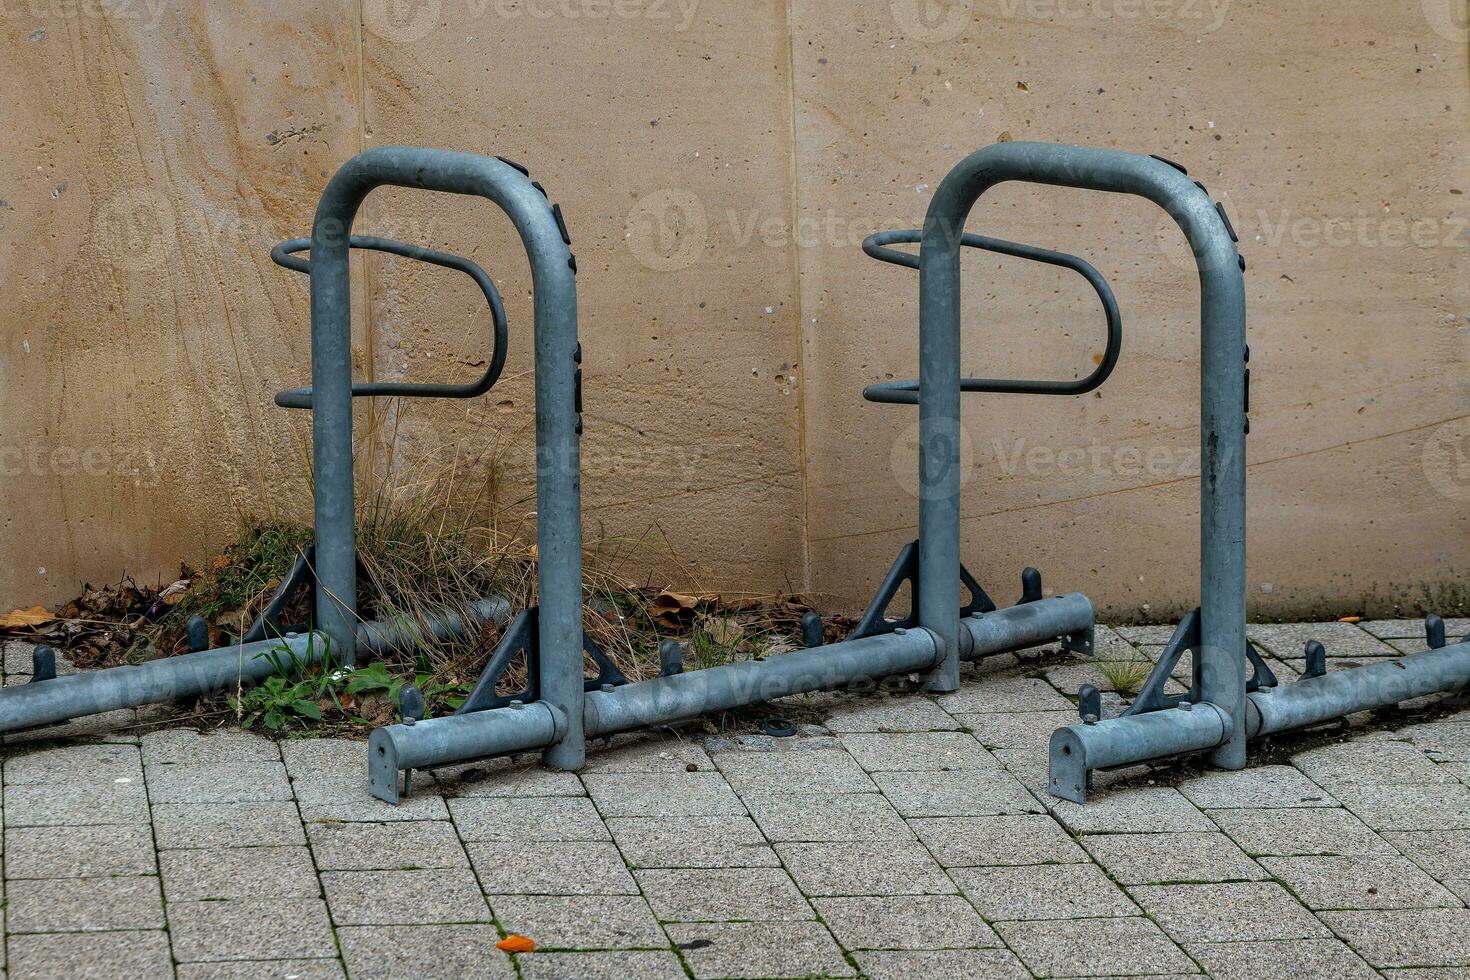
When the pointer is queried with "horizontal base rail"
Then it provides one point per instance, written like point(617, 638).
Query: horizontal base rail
point(678, 697)
point(1078, 750)
point(189, 675)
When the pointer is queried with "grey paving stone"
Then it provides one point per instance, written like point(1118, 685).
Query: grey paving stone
point(580, 921)
point(1017, 730)
point(82, 852)
point(1287, 640)
point(1444, 854)
point(498, 777)
point(185, 746)
point(980, 793)
point(722, 894)
point(1288, 960)
point(1151, 859)
point(1372, 762)
point(1365, 881)
point(958, 842)
point(251, 929)
point(871, 868)
point(677, 794)
point(259, 970)
point(527, 819)
point(759, 949)
point(1259, 788)
point(849, 817)
point(1286, 833)
point(1412, 629)
point(428, 897)
point(1444, 739)
point(236, 782)
point(101, 954)
point(1131, 810)
point(227, 824)
point(646, 753)
point(1154, 635)
point(238, 872)
point(646, 965)
point(551, 868)
point(1004, 694)
point(404, 845)
point(109, 726)
point(917, 751)
point(1044, 891)
point(882, 713)
point(906, 922)
point(76, 804)
point(314, 756)
point(424, 952)
point(92, 763)
point(1405, 937)
point(941, 964)
point(1429, 973)
point(350, 803)
point(1094, 947)
point(765, 773)
point(1386, 808)
point(692, 842)
point(83, 904)
point(1236, 912)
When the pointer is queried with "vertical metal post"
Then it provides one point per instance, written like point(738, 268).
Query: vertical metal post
point(939, 440)
point(1222, 477)
point(331, 427)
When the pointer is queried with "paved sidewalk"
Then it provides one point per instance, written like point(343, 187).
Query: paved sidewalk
point(907, 837)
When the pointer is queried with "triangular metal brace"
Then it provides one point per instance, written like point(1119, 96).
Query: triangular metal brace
point(905, 568)
point(524, 636)
point(1187, 638)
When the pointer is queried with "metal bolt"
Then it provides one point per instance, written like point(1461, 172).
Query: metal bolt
point(607, 688)
point(1186, 706)
point(291, 636)
point(1089, 719)
point(517, 705)
point(410, 720)
point(900, 631)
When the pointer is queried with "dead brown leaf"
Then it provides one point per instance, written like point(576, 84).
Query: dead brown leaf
point(23, 618)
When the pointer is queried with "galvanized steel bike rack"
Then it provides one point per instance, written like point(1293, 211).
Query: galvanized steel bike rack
point(328, 569)
point(558, 709)
point(1225, 706)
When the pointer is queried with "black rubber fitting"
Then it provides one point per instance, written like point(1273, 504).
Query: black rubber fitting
point(561, 224)
point(1220, 208)
point(537, 184)
point(1242, 262)
point(572, 263)
point(1177, 166)
point(777, 727)
point(511, 163)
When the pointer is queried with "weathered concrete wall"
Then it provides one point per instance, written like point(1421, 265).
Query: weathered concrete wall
point(718, 165)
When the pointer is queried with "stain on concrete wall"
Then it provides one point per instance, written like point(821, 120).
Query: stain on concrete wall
point(719, 165)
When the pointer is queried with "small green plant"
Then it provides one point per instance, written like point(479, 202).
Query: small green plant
point(1126, 676)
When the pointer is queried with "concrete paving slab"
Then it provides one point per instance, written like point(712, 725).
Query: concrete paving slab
point(426, 897)
point(227, 824)
point(1233, 912)
point(944, 964)
point(981, 793)
point(1286, 833)
point(83, 852)
point(238, 872)
point(1094, 947)
point(723, 895)
point(128, 953)
point(960, 842)
point(83, 904)
point(909, 922)
point(402, 845)
point(918, 751)
point(646, 965)
point(580, 921)
point(1405, 937)
point(759, 950)
point(451, 952)
point(849, 817)
point(532, 818)
point(692, 842)
point(1255, 788)
point(817, 772)
point(1289, 960)
point(858, 868)
point(1361, 881)
point(1046, 891)
point(678, 794)
point(551, 868)
point(1156, 859)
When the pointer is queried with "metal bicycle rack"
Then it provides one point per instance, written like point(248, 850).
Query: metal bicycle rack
point(328, 570)
point(559, 708)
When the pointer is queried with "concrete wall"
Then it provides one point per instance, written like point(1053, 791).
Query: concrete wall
point(719, 164)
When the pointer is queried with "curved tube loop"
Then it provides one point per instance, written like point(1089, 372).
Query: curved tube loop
point(284, 255)
point(907, 392)
point(1222, 396)
point(558, 486)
